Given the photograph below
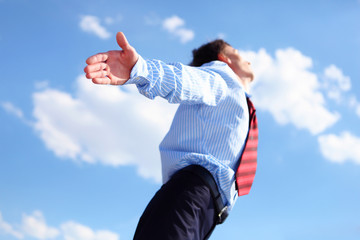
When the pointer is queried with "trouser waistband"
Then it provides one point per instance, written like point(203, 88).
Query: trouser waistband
point(208, 179)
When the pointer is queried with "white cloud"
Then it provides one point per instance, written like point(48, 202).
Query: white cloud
point(355, 104)
point(35, 226)
point(336, 82)
point(357, 109)
point(286, 87)
point(221, 35)
point(152, 19)
point(342, 148)
point(333, 73)
point(75, 231)
point(91, 24)
point(109, 20)
point(41, 84)
point(104, 124)
point(113, 20)
point(184, 34)
point(173, 23)
point(10, 108)
point(6, 228)
point(175, 26)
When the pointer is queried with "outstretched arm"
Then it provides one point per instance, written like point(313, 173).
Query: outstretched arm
point(112, 67)
point(174, 82)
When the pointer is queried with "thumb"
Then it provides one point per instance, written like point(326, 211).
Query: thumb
point(122, 41)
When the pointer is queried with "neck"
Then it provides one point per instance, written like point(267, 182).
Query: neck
point(245, 82)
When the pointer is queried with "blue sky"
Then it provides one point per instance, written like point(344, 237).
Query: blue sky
point(79, 161)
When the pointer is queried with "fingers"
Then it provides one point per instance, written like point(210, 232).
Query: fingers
point(108, 80)
point(97, 58)
point(101, 80)
point(97, 70)
point(95, 67)
point(99, 74)
point(121, 62)
point(122, 41)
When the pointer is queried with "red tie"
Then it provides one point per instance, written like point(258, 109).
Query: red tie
point(248, 161)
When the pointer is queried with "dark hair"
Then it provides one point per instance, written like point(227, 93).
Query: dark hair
point(208, 52)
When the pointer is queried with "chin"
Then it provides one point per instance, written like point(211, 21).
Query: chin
point(251, 76)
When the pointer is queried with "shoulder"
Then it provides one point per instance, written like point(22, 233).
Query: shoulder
point(219, 67)
point(224, 71)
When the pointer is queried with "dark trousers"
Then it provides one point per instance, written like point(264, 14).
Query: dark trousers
point(182, 209)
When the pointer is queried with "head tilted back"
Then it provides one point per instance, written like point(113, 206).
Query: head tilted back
point(207, 52)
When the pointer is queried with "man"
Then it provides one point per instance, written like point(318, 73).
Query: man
point(203, 149)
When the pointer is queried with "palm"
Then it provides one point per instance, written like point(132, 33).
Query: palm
point(120, 64)
point(113, 67)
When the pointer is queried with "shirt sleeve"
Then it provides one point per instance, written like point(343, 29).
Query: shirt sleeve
point(178, 83)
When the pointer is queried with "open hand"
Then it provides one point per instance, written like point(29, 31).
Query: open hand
point(112, 67)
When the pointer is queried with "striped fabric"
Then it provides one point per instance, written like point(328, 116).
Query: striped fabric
point(248, 162)
point(211, 123)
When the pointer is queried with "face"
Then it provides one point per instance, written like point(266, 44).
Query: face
point(241, 67)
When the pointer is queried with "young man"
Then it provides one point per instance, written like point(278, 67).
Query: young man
point(202, 154)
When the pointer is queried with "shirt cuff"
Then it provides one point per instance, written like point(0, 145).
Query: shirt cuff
point(138, 73)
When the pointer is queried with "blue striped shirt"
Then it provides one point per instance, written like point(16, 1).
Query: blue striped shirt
point(211, 123)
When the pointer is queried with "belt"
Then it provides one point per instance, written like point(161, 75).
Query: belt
point(207, 178)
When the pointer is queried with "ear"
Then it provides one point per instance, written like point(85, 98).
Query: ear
point(222, 57)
